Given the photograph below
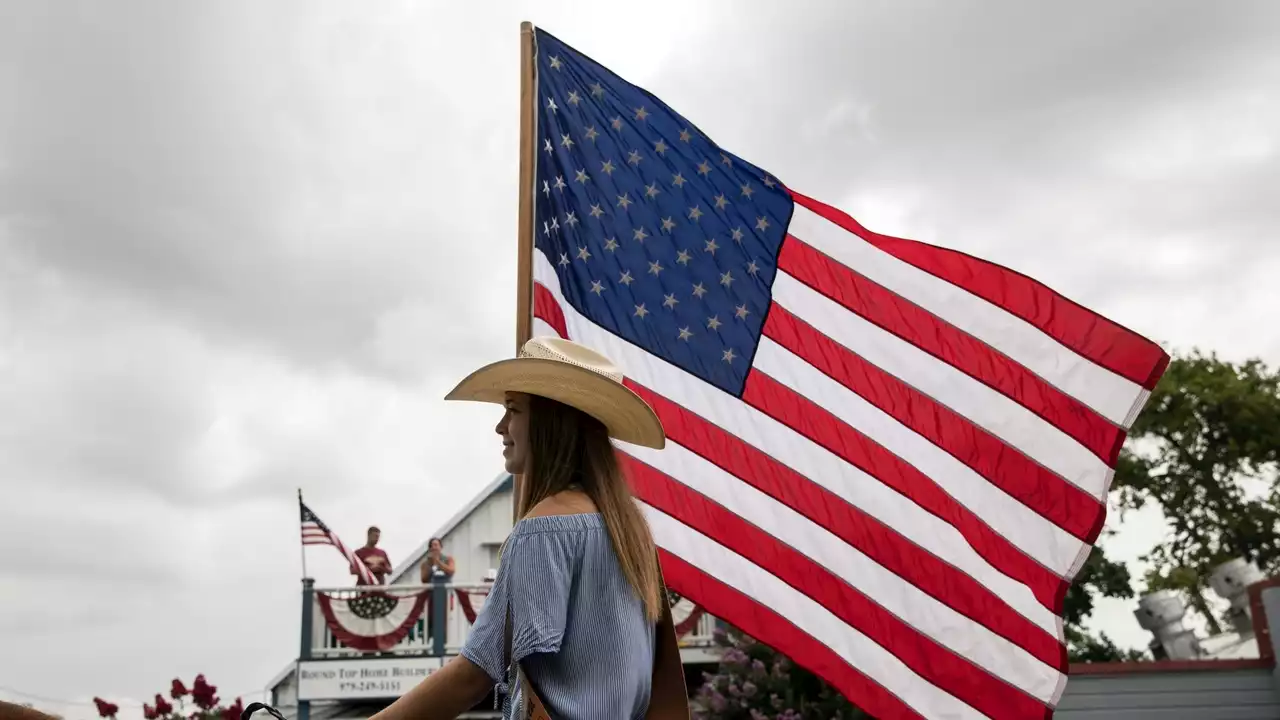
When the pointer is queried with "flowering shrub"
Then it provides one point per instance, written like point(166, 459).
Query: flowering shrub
point(755, 683)
point(106, 709)
point(204, 698)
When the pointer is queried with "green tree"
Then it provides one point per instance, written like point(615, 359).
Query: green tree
point(1205, 451)
point(1100, 576)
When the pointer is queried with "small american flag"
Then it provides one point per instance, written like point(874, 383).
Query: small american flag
point(886, 459)
point(315, 532)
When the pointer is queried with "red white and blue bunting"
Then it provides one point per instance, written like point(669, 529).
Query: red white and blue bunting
point(373, 621)
point(684, 614)
point(377, 621)
point(472, 602)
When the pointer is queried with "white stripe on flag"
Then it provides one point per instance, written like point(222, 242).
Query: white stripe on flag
point(727, 490)
point(926, 614)
point(1003, 417)
point(855, 648)
point(1110, 394)
point(1009, 517)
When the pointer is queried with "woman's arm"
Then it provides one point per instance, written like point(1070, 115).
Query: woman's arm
point(447, 564)
point(443, 695)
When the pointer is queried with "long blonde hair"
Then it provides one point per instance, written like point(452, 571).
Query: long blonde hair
point(568, 447)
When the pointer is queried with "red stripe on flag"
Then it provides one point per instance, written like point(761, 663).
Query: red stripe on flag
point(546, 308)
point(807, 418)
point(1053, 498)
point(951, 345)
point(776, 631)
point(1104, 342)
point(874, 539)
point(930, 660)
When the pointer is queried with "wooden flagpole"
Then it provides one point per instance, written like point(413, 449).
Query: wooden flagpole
point(524, 235)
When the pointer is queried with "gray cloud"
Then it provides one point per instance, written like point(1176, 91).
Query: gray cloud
point(246, 248)
point(201, 162)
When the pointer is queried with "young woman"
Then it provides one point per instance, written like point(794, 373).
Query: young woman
point(577, 619)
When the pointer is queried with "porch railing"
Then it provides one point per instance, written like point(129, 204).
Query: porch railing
point(421, 639)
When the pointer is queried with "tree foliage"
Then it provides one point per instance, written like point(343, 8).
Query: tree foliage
point(1205, 451)
point(1100, 576)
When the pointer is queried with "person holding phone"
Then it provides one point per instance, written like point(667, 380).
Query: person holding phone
point(437, 563)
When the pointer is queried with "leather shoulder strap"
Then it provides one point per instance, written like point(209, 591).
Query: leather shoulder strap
point(506, 637)
point(515, 678)
point(669, 697)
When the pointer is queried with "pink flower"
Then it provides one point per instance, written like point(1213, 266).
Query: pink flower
point(177, 690)
point(106, 709)
point(204, 694)
point(234, 711)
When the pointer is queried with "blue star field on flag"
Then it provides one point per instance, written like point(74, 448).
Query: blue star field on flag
point(656, 233)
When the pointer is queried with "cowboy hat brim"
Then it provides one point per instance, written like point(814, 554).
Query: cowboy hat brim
point(626, 415)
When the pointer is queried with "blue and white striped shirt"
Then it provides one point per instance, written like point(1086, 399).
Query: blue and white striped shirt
point(578, 628)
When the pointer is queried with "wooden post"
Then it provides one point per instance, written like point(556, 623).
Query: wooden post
point(524, 234)
point(307, 643)
point(439, 613)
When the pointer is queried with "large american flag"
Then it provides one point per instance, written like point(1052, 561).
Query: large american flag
point(315, 532)
point(886, 459)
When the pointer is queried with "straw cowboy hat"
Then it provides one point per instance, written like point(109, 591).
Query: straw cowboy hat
point(575, 375)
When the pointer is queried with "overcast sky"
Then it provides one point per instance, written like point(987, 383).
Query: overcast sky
point(245, 247)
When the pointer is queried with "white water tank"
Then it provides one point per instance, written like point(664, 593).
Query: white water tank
point(1161, 613)
point(1231, 581)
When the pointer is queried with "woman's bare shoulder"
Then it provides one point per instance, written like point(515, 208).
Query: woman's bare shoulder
point(569, 502)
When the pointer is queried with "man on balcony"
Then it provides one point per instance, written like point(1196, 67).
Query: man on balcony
point(374, 558)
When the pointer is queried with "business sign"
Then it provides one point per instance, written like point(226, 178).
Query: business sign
point(362, 679)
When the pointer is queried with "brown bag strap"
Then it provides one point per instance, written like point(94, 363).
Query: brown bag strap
point(668, 697)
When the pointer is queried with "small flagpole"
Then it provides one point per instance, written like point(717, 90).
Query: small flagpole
point(300, 545)
point(524, 235)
